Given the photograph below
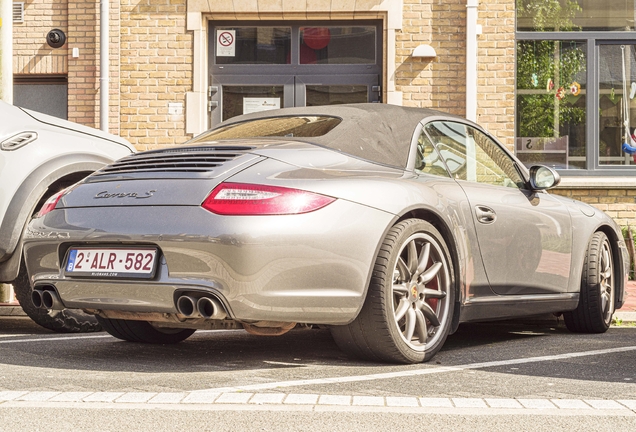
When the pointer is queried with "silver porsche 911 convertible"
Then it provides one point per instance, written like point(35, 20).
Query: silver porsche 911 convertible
point(389, 225)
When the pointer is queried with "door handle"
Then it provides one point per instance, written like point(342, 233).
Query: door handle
point(485, 215)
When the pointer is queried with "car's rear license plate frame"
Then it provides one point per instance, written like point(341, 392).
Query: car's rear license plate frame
point(111, 262)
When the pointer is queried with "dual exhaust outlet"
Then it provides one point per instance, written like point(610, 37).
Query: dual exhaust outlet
point(46, 298)
point(191, 307)
point(202, 307)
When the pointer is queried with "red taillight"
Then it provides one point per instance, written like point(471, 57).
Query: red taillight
point(249, 199)
point(50, 203)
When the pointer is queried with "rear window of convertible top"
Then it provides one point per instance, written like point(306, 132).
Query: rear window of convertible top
point(293, 126)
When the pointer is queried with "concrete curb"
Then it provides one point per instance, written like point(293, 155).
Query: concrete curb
point(625, 317)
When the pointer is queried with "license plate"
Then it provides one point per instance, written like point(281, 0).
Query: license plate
point(111, 262)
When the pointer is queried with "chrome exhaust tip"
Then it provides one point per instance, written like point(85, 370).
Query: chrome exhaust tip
point(210, 308)
point(51, 301)
point(36, 299)
point(186, 305)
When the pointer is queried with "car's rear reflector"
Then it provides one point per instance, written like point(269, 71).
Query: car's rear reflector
point(250, 199)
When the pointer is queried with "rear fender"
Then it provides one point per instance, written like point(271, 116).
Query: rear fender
point(430, 216)
point(30, 192)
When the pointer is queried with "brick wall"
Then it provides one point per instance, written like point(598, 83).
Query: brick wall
point(156, 69)
point(83, 78)
point(84, 71)
point(31, 53)
point(440, 83)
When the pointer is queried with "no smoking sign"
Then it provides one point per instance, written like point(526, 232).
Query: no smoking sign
point(225, 46)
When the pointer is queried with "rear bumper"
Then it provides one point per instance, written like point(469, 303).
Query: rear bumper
point(310, 268)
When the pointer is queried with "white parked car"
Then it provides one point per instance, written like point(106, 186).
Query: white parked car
point(39, 156)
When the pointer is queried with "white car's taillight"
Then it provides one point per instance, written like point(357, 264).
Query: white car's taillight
point(250, 199)
point(50, 203)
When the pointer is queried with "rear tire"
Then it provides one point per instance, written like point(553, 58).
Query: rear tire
point(407, 313)
point(143, 331)
point(596, 302)
point(64, 321)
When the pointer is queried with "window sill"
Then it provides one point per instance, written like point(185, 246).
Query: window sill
point(571, 182)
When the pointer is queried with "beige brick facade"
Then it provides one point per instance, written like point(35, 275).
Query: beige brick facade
point(156, 69)
point(440, 83)
point(31, 54)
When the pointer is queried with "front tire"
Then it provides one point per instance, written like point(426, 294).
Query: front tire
point(143, 331)
point(596, 302)
point(64, 321)
point(407, 313)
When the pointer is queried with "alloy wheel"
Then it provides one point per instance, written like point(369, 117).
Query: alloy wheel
point(420, 286)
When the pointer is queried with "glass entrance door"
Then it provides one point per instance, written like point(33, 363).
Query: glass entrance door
point(286, 64)
point(314, 90)
point(234, 96)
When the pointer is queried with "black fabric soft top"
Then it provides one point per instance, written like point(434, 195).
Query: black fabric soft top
point(376, 132)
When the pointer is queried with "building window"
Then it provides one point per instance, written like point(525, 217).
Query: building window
point(551, 108)
point(575, 15)
point(576, 85)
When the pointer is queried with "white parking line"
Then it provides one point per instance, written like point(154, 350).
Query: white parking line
point(249, 395)
point(63, 338)
point(413, 372)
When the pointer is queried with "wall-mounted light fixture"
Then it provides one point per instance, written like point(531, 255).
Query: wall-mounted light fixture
point(424, 50)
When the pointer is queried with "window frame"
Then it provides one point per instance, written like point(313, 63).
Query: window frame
point(520, 167)
point(593, 40)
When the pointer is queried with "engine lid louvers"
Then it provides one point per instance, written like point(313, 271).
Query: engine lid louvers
point(175, 160)
point(19, 140)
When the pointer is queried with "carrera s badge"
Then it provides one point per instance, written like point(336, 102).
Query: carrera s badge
point(106, 194)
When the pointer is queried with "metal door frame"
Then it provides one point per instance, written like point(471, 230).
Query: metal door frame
point(299, 74)
point(215, 90)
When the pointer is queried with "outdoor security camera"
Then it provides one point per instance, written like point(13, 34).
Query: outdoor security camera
point(55, 38)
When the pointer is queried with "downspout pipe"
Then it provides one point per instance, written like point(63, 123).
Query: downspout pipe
point(104, 81)
point(6, 51)
point(471, 59)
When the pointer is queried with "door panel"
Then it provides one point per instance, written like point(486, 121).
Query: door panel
point(232, 95)
point(524, 238)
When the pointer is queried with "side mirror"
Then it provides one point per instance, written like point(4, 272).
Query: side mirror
point(543, 177)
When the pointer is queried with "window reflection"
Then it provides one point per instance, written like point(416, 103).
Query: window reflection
point(551, 103)
point(575, 15)
point(337, 45)
point(335, 94)
point(472, 156)
point(617, 118)
point(256, 45)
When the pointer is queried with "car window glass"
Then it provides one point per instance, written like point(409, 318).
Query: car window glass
point(428, 160)
point(288, 126)
point(471, 155)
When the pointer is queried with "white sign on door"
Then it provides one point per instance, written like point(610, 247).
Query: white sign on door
point(225, 43)
point(251, 105)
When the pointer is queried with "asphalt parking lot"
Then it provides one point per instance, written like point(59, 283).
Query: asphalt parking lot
point(491, 370)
